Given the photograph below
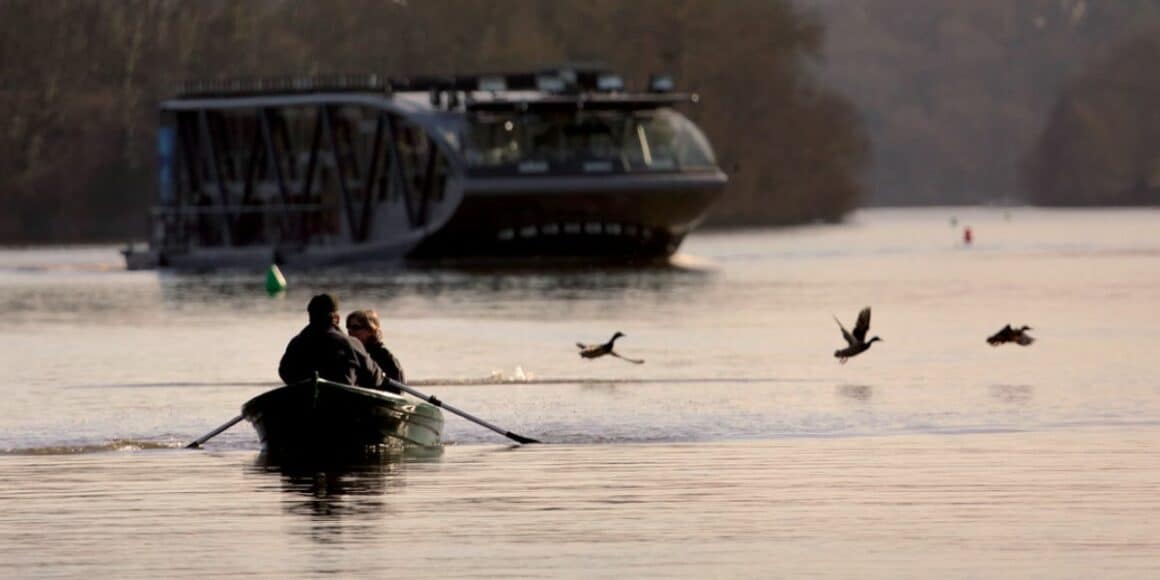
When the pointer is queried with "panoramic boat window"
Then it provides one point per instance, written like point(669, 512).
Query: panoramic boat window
point(596, 141)
point(673, 138)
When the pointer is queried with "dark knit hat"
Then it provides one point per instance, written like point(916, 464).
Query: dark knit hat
point(321, 307)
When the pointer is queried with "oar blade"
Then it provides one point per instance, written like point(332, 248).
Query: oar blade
point(520, 438)
point(196, 443)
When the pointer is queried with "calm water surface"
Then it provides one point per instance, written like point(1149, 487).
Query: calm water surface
point(741, 448)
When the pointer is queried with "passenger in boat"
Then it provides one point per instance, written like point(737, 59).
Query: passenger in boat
point(322, 348)
point(364, 325)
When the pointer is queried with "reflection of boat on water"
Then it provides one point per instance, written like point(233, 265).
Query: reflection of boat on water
point(306, 172)
point(330, 487)
point(536, 291)
point(367, 476)
point(320, 418)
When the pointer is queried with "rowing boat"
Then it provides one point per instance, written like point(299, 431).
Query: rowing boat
point(317, 416)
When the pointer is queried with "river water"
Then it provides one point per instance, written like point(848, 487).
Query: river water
point(741, 448)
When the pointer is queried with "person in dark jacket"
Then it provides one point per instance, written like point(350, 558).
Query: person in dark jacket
point(364, 325)
point(322, 348)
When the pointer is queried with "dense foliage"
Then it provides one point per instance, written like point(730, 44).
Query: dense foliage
point(956, 93)
point(1101, 145)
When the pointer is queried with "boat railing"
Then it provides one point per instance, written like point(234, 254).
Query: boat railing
point(592, 87)
point(284, 84)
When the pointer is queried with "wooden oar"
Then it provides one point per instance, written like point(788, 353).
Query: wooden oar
point(197, 442)
point(431, 399)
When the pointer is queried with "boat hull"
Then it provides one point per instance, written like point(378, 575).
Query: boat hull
point(614, 217)
point(320, 417)
point(257, 257)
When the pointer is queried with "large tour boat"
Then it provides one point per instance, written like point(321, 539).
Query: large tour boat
point(562, 163)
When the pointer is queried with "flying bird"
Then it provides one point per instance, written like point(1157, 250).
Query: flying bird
point(599, 350)
point(1007, 334)
point(856, 340)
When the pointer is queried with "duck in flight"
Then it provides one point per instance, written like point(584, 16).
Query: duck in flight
point(599, 350)
point(1007, 334)
point(857, 339)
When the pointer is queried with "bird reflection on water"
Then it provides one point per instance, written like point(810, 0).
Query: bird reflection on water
point(1013, 394)
point(856, 392)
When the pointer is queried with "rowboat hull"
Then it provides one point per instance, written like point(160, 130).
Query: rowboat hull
point(320, 417)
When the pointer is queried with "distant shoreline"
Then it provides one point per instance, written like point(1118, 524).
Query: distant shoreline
point(709, 226)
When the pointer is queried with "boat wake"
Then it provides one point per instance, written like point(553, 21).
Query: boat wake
point(115, 445)
point(517, 377)
point(588, 381)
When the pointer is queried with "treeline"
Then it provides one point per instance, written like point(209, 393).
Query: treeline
point(1101, 145)
point(956, 94)
point(82, 78)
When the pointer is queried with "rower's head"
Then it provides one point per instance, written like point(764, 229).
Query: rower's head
point(323, 309)
point(364, 325)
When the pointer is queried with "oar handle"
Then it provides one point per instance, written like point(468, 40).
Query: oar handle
point(434, 401)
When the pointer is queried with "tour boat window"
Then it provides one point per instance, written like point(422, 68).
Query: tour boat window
point(663, 140)
point(654, 140)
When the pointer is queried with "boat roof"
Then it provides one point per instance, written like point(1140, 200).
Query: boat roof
point(560, 89)
point(590, 101)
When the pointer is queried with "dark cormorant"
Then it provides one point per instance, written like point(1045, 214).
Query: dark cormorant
point(856, 340)
point(599, 350)
point(1008, 334)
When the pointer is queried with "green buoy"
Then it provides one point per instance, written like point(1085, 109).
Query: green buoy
point(275, 281)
